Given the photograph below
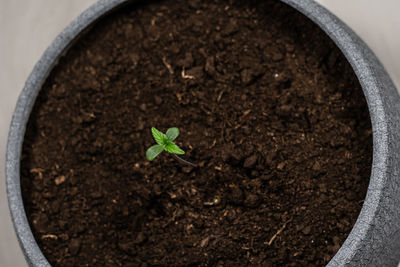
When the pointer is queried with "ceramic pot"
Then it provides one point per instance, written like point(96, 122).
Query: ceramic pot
point(375, 237)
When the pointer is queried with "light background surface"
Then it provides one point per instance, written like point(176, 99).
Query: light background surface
point(27, 27)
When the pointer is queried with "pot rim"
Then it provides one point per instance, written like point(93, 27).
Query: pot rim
point(379, 91)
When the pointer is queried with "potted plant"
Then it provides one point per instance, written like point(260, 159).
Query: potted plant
point(274, 121)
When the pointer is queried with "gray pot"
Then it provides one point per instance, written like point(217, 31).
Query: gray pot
point(374, 239)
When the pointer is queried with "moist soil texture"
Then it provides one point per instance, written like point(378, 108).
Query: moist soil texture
point(267, 106)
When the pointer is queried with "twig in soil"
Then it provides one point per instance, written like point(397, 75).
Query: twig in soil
point(213, 143)
point(39, 171)
point(185, 76)
point(171, 71)
point(50, 236)
point(216, 200)
point(165, 142)
point(277, 233)
point(220, 96)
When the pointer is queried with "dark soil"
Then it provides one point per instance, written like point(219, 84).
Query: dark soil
point(267, 106)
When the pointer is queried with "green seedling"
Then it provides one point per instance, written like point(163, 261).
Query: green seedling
point(166, 142)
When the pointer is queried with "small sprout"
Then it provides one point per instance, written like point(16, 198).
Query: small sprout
point(166, 142)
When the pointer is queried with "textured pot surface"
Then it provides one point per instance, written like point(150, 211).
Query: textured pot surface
point(374, 239)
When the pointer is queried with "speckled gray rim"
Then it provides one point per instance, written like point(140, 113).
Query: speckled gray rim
point(375, 238)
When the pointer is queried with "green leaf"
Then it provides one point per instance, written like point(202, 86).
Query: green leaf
point(159, 136)
point(154, 151)
point(171, 147)
point(172, 133)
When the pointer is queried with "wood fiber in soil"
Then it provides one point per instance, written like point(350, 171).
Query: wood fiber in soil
point(267, 107)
